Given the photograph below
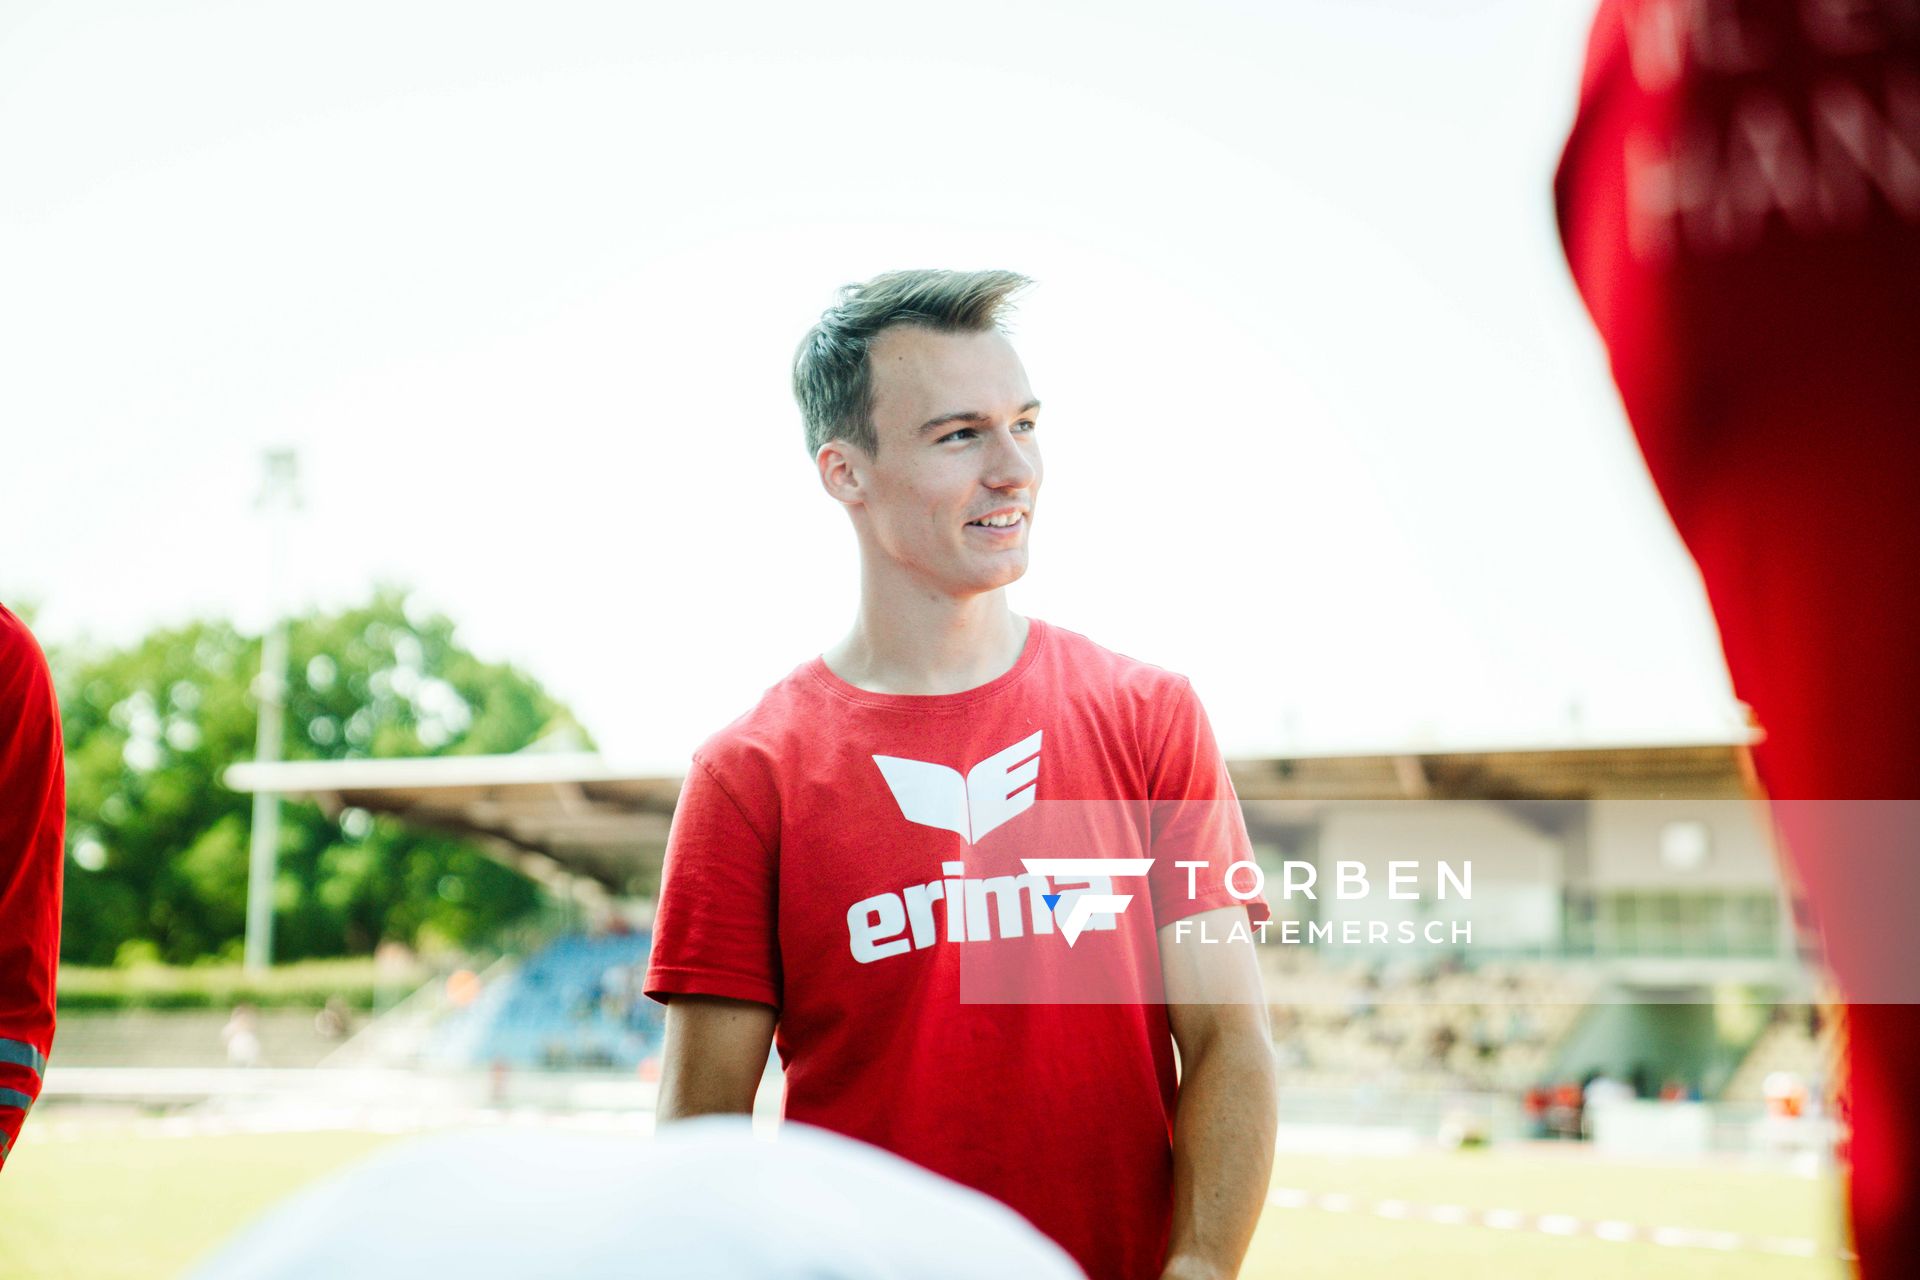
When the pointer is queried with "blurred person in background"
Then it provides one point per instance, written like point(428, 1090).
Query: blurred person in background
point(1601, 1092)
point(33, 812)
point(1563, 1110)
point(242, 1037)
point(706, 1198)
point(1740, 205)
point(1534, 1104)
point(334, 1021)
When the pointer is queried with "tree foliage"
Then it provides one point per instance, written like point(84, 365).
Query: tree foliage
point(157, 845)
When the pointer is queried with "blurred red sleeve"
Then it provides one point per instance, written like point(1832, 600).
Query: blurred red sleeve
point(32, 855)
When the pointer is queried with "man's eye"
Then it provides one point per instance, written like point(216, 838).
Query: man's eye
point(1028, 423)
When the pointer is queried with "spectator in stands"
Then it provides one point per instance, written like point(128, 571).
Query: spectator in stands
point(33, 810)
point(1640, 1078)
point(1486, 1042)
point(1535, 1105)
point(1785, 1093)
point(333, 1022)
point(1440, 1046)
point(1602, 1091)
point(242, 1037)
point(616, 992)
point(1564, 1118)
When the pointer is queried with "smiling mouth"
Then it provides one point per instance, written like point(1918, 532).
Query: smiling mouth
point(1000, 524)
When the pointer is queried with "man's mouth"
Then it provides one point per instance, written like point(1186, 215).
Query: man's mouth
point(1000, 522)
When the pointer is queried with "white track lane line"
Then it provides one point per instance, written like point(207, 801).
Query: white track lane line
point(1612, 1230)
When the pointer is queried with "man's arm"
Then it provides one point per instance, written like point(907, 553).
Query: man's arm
point(715, 1054)
point(1224, 1121)
point(32, 857)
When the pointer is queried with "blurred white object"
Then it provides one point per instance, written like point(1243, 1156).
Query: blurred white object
point(1636, 1130)
point(704, 1198)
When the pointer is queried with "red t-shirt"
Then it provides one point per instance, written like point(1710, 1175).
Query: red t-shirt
point(32, 855)
point(816, 846)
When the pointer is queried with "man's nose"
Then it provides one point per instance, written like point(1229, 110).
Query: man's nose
point(1010, 466)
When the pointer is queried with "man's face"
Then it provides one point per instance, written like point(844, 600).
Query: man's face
point(956, 424)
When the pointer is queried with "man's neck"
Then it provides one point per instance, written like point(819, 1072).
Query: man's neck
point(930, 646)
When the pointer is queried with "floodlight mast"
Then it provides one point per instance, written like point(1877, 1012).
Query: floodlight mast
point(279, 499)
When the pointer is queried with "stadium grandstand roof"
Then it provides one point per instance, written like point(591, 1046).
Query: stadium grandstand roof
point(546, 812)
point(575, 813)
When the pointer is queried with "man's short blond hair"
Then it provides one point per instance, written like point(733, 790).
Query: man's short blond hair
point(832, 375)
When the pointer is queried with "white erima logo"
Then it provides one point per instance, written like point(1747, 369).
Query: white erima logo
point(986, 909)
point(997, 789)
point(992, 792)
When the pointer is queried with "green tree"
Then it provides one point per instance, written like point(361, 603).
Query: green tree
point(157, 845)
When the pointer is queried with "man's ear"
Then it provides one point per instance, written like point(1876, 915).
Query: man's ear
point(843, 467)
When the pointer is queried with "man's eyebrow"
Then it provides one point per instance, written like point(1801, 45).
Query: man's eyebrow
point(969, 415)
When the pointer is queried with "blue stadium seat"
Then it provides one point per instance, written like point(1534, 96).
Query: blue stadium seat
point(575, 1004)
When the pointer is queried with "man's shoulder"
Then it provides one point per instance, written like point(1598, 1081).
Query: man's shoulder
point(16, 641)
point(23, 665)
point(1091, 662)
point(766, 729)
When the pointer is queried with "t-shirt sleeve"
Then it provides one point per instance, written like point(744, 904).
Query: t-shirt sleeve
point(32, 858)
point(716, 931)
point(1196, 818)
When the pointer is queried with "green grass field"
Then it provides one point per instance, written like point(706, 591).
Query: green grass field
point(111, 1205)
point(1313, 1244)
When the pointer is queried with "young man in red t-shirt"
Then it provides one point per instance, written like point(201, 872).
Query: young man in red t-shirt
point(852, 866)
point(1740, 204)
point(33, 812)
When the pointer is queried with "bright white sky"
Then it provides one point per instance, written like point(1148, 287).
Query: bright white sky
point(1326, 428)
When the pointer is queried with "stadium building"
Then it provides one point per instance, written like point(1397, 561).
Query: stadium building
point(1627, 915)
